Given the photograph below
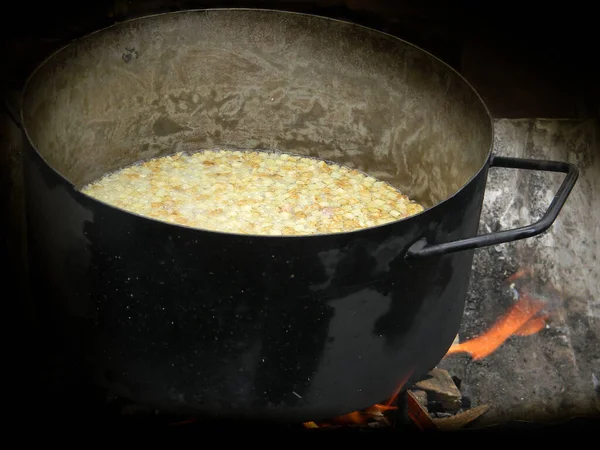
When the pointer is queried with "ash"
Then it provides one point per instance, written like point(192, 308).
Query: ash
point(552, 375)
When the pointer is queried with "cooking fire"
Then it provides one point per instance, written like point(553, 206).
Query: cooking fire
point(435, 402)
point(155, 294)
point(527, 316)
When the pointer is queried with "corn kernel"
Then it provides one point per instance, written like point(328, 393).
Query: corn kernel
point(253, 192)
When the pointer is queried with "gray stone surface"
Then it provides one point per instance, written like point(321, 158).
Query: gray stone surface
point(549, 375)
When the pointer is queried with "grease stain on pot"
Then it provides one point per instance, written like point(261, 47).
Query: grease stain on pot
point(165, 126)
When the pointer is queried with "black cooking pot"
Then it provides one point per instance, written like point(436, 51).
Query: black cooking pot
point(293, 328)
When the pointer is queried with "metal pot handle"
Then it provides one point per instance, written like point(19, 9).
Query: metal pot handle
point(421, 248)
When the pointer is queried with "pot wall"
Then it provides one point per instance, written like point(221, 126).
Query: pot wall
point(257, 79)
point(286, 328)
point(295, 328)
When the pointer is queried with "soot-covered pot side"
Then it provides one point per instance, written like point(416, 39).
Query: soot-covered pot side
point(285, 327)
point(289, 328)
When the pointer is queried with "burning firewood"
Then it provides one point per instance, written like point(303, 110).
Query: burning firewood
point(440, 386)
point(460, 420)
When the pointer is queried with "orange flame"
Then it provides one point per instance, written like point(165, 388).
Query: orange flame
point(392, 399)
point(364, 416)
point(522, 319)
point(533, 326)
point(355, 417)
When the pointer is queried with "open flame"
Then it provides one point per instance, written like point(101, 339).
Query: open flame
point(366, 415)
point(526, 317)
point(521, 319)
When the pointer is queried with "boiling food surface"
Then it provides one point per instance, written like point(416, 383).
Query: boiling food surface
point(252, 192)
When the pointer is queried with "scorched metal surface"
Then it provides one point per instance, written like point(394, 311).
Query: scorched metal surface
point(290, 328)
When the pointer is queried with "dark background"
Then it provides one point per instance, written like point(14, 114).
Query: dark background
point(527, 59)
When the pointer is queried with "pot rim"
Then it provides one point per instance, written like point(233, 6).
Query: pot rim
point(274, 11)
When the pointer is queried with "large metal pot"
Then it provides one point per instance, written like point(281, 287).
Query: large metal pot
point(286, 327)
